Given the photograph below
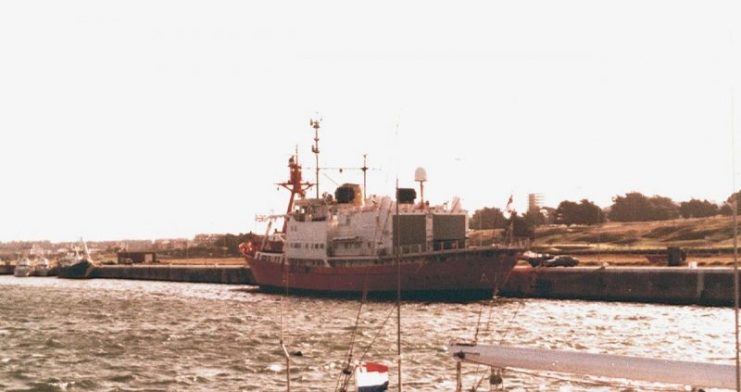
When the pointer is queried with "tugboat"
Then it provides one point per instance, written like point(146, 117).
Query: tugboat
point(345, 244)
point(76, 265)
point(23, 268)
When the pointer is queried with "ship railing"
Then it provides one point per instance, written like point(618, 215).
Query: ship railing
point(412, 249)
point(448, 245)
point(520, 243)
point(432, 246)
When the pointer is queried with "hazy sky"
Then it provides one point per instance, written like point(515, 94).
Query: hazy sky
point(144, 119)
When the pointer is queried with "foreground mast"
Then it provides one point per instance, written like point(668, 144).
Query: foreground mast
point(398, 291)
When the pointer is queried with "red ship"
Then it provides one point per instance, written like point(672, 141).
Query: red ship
point(347, 244)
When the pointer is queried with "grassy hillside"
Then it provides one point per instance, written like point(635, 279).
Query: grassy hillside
point(696, 235)
point(715, 232)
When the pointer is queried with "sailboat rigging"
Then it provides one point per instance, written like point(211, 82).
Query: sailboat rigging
point(398, 291)
point(735, 245)
point(344, 243)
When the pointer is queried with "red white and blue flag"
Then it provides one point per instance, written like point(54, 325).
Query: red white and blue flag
point(372, 377)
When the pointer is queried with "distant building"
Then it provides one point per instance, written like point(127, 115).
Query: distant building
point(534, 201)
point(137, 257)
point(138, 245)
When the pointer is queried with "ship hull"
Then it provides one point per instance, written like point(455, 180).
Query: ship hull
point(41, 271)
point(79, 270)
point(22, 271)
point(454, 275)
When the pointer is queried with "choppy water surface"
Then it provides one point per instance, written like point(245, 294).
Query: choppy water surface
point(111, 335)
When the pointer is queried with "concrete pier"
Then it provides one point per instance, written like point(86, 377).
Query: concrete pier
point(228, 274)
point(668, 285)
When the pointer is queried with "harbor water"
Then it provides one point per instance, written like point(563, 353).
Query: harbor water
point(116, 335)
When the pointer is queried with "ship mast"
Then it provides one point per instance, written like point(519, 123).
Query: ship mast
point(397, 230)
point(735, 244)
point(295, 185)
point(365, 176)
point(315, 149)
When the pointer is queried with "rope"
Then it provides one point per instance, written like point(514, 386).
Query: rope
point(476, 338)
point(330, 179)
point(346, 374)
point(478, 325)
point(488, 322)
point(282, 327)
point(501, 340)
point(378, 333)
point(509, 324)
point(367, 348)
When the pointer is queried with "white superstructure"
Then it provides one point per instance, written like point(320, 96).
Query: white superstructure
point(345, 226)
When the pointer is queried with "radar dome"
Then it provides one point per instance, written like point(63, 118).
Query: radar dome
point(420, 175)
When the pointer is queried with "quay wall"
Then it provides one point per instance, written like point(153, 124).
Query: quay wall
point(668, 285)
point(228, 274)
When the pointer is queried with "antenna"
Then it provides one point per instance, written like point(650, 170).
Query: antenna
point(315, 149)
point(363, 168)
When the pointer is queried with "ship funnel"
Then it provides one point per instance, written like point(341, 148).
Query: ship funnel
point(349, 194)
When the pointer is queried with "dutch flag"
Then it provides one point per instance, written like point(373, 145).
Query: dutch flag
point(372, 377)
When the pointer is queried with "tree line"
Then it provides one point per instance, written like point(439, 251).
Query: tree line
point(632, 207)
